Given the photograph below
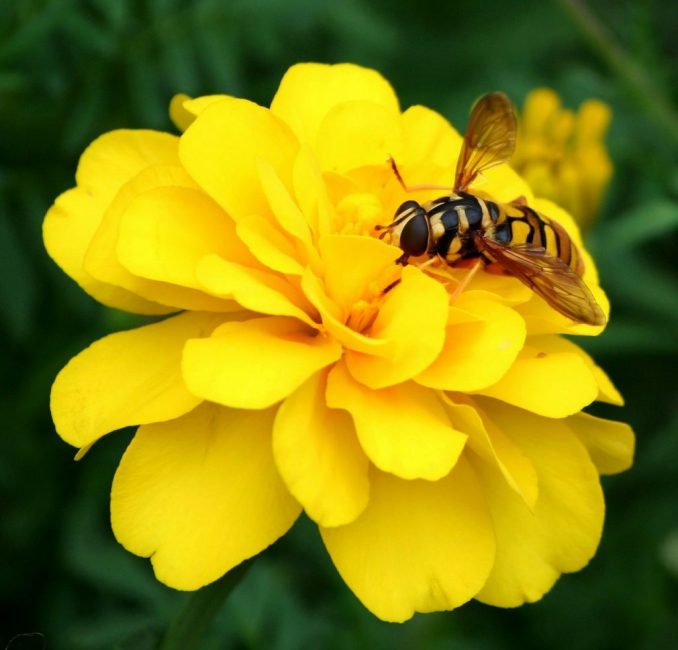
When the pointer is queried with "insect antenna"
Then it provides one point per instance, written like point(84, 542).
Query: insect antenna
point(415, 188)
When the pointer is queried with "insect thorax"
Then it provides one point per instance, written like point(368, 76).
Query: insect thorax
point(454, 219)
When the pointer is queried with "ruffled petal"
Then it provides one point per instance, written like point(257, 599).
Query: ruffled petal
point(610, 444)
point(356, 134)
point(287, 213)
point(126, 378)
point(482, 341)
point(105, 166)
point(403, 429)
point(561, 533)
point(254, 364)
point(221, 150)
point(607, 391)
point(413, 317)
point(503, 184)
point(419, 546)
point(164, 233)
point(309, 91)
point(429, 138)
point(547, 382)
point(311, 192)
point(102, 262)
point(189, 494)
point(184, 109)
point(319, 457)
point(495, 447)
point(254, 289)
point(269, 245)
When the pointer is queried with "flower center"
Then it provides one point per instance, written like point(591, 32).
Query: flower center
point(357, 214)
point(364, 311)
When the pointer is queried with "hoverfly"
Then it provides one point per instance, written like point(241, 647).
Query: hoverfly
point(466, 226)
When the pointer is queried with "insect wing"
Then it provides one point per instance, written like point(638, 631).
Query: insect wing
point(490, 138)
point(549, 277)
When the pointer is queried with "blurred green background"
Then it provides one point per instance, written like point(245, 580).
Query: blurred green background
point(70, 70)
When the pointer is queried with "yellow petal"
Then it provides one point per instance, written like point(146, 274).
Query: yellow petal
point(493, 446)
point(200, 494)
point(594, 120)
point(311, 192)
point(356, 134)
point(562, 532)
point(429, 138)
point(549, 383)
point(184, 109)
point(269, 245)
point(102, 262)
point(607, 391)
point(610, 444)
point(498, 288)
point(165, 232)
point(413, 319)
point(284, 208)
point(403, 429)
point(503, 184)
point(107, 164)
point(309, 91)
point(319, 457)
point(540, 106)
point(115, 157)
point(254, 289)
point(178, 114)
point(419, 546)
point(221, 149)
point(67, 233)
point(256, 363)
point(476, 353)
point(126, 378)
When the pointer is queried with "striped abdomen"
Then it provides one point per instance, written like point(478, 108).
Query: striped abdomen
point(521, 224)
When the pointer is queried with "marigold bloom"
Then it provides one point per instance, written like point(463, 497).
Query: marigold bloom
point(439, 444)
point(562, 155)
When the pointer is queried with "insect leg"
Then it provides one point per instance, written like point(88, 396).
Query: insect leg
point(428, 262)
point(465, 282)
point(393, 284)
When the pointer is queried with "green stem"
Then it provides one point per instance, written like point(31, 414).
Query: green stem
point(189, 627)
point(631, 73)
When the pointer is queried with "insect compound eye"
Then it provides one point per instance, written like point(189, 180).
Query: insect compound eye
point(414, 237)
point(406, 207)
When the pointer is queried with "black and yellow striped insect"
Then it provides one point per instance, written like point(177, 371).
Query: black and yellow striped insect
point(467, 225)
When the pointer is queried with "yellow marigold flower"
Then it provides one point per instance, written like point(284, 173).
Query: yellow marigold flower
point(562, 155)
point(439, 444)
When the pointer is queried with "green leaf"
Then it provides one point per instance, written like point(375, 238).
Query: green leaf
point(189, 627)
point(17, 282)
point(642, 224)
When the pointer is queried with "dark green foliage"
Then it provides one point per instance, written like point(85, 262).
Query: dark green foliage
point(72, 69)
